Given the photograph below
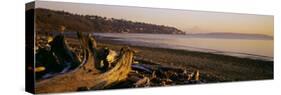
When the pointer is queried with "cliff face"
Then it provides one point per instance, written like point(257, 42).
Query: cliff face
point(49, 20)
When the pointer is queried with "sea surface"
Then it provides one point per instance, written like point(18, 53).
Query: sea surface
point(245, 48)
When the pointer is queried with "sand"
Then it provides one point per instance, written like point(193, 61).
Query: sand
point(213, 67)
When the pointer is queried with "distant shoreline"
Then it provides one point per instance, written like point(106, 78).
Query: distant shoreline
point(113, 40)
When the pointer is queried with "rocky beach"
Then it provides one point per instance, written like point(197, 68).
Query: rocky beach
point(153, 67)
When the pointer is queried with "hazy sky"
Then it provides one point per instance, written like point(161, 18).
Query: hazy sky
point(186, 20)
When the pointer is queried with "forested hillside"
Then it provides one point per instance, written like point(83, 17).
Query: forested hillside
point(50, 20)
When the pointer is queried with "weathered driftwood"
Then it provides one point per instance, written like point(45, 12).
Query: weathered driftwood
point(87, 76)
point(145, 74)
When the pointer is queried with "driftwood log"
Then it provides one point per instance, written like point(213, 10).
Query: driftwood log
point(87, 76)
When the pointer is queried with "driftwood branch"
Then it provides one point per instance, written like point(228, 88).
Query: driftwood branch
point(87, 75)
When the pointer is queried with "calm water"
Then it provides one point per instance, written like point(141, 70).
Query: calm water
point(250, 48)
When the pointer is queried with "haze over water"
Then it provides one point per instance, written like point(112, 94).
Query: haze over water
point(250, 48)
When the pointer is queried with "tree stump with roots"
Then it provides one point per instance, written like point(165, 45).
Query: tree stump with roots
point(87, 75)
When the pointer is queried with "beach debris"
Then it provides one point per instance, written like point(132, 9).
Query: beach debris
point(49, 39)
point(166, 82)
point(141, 67)
point(80, 77)
point(62, 28)
point(111, 57)
point(142, 82)
point(101, 55)
point(194, 75)
point(54, 56)
point(190, 76)
point(160, 76)
point(197, 75)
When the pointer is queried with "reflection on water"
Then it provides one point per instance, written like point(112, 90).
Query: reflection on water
point(254, 48)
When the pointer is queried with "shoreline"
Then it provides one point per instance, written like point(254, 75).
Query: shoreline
point(112, 40)
point(196, 49)
point(213, 67)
